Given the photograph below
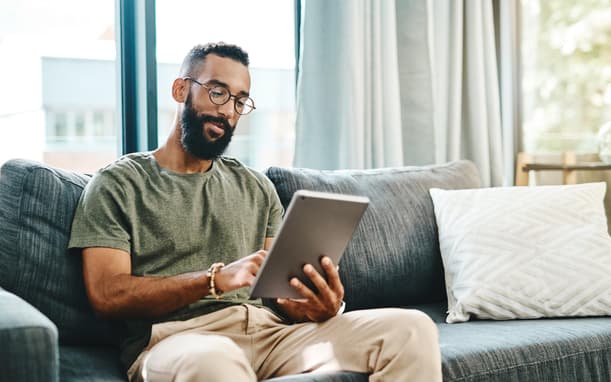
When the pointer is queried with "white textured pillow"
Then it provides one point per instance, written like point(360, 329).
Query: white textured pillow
point(525, 252)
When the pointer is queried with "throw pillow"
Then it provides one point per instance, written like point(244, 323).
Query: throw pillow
point(524, 252)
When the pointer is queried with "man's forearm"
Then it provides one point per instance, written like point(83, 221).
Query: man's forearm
point(127, 296)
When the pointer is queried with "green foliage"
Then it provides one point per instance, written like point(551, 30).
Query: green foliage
point(566, 55)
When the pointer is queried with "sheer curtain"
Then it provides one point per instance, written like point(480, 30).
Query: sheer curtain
point(387, 83)
point(349, 109)
point(467, 117)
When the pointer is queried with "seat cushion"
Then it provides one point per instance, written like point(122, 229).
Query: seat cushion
point(92, 364)
point(560, 349)
point(393, 258)
point(37, 204)
point(28, 342)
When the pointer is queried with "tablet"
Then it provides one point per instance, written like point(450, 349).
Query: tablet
point(315, 224)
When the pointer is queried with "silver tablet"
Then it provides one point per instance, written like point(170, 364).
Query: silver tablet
point(315, 224)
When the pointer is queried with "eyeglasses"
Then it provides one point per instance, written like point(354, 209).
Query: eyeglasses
point(220, 95)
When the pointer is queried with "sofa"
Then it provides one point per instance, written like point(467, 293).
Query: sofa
point(48, 331)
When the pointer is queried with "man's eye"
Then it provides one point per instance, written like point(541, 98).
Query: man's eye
point(217, 93)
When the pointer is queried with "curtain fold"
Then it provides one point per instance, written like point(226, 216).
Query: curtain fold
point(390, 83)
point(348, 99)
point(467, 116)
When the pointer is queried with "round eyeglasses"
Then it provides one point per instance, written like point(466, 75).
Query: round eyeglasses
point(220, 95)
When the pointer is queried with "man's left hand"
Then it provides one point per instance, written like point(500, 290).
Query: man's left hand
point(313, 306)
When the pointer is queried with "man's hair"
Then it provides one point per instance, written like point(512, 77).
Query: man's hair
point(197, 55)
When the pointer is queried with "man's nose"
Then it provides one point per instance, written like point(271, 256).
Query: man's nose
point(228, 109)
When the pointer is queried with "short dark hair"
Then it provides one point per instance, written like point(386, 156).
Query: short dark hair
point(197, 56)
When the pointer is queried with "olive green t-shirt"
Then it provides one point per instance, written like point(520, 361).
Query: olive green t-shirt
point(172, 223)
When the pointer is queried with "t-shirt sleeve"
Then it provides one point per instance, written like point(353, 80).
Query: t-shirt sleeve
point(100, 219)
point(276, 211)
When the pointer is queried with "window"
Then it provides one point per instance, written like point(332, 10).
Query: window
point(265, 29)
point(57, 70)
point(566, 79)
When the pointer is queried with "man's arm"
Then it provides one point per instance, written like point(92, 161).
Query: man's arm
point(115, 293)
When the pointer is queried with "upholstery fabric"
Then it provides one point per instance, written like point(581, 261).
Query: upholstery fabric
point(525, 252)
point(541, 350)
point(28, 342)
point(393, 258)
point(91, 364)
point(37, 204)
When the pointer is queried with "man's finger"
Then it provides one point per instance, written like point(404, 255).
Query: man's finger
point(317, 279)
point(333, 279)
point(302, 289)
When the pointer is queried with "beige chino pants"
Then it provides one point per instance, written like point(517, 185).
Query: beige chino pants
point(246, 343)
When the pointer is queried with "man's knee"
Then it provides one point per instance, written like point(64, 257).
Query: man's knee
point(406, 328)
point(193, 357)
point(415, 325)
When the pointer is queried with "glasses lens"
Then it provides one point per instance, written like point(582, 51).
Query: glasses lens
point(219, 95)
point(244, 105)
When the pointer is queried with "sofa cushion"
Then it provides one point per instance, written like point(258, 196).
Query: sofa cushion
point(37, 204)
point(28, 342)
point(525, 252)
point(542, 350)
point(91, 364)
point(393, 258)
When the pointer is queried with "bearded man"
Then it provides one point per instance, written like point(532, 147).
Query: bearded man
point(172, 239)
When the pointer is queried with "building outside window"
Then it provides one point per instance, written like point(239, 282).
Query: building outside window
point(57, 69)
point(266, 30)
point(58, 100)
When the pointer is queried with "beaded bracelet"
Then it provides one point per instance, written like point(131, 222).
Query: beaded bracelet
point(214, 268)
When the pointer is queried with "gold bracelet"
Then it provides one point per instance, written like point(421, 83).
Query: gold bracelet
point(214, 268)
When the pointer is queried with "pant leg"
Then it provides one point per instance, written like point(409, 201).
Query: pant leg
point(212, 347)
point(195, 357)
point(389, 344)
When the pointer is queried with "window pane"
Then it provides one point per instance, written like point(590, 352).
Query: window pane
point(266, 136)
point(57, 70)
point(566, 77)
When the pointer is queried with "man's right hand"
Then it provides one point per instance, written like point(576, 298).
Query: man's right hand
point(240, 273)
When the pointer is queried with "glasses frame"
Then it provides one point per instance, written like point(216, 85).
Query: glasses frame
point(235, 97)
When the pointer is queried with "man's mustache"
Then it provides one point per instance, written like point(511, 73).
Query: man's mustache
point(217, 120)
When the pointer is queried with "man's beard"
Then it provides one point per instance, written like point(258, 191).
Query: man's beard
point(193, 138)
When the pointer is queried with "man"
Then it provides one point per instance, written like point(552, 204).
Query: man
point(172, 239)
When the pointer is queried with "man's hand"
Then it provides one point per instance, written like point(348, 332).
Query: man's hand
point(315, 306)
point(240, 273)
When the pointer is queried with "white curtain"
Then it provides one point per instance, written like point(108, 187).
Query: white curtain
point(467, 117)
point(387, 83)
point(349, 110)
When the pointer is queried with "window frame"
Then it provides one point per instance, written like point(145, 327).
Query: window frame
point(137, 79)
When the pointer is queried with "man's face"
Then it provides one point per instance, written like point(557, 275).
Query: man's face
point(194, 138)
point(207, 128)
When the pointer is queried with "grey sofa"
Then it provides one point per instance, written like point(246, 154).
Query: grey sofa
point(48, 331)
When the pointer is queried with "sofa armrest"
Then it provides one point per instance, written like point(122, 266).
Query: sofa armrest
point(29, 350)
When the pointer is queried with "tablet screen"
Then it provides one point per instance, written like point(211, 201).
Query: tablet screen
point(316, 224)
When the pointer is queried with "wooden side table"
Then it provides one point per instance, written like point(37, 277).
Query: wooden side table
point(568, 166)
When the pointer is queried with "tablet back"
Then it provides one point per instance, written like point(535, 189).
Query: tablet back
point(315, 224)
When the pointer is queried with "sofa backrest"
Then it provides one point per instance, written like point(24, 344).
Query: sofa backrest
point(393, 258)
point(37, 204)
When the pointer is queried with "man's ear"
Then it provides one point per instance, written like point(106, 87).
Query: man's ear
point(180, 90)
